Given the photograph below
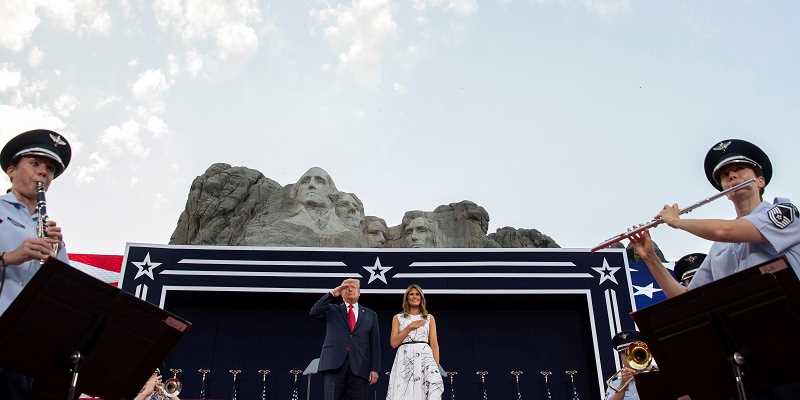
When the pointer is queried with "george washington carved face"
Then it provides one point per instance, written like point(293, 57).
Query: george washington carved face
point(314, 188)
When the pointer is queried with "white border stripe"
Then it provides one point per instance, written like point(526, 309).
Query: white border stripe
point(490, 275)
point(615, 307)
point(138, 293)
point(267, 263)
point(494, 264)
point(263, 274)
point(144, 292)
point(611, 326)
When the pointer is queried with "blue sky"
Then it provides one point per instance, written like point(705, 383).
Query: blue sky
point(577, 118)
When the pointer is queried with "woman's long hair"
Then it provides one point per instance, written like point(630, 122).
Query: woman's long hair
point(407, 307)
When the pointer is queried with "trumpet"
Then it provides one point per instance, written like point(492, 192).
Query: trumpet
point(638, 358)
point(170, 389)
point(658, 221)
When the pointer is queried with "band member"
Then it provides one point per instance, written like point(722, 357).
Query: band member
point(760, 232)
point(627, 390)
point(351, 354)
point(30, 157)
point(415, 372)
point(687, 266)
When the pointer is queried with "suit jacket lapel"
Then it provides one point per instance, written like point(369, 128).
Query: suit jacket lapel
point(343, 313)
point(361, 315)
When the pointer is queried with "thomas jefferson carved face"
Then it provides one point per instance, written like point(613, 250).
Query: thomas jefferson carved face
point(349, 209)
point(419, 233)
point(315, 187)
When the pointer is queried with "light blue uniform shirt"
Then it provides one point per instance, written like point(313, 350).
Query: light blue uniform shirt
point(777, 223)
point(17, 225)
point(630, 393)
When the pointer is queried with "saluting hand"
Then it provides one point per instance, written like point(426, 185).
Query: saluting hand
point(373, 377)
point(347, 283)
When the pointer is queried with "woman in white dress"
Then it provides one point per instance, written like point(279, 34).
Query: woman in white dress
point(415, 372)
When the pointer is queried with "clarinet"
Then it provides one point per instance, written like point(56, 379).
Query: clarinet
point(516, 374)
point(295, 388)
point(548, 394)
point(41, 212)
point(571, 374)
point(483, 383)
point(264, 373)
point(235, 390)
point(452, 375)
point(203, 382)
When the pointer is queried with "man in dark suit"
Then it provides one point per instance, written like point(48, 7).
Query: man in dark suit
point(351, 354)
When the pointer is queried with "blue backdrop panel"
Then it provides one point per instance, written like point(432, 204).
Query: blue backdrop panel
point(498, 309)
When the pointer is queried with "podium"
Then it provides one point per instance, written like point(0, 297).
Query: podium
point(63, 312)
point(728, 339)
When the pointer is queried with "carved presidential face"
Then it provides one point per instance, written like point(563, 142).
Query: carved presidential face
point(376, 234)
point(349, 210)
point(419, 233)
point(315, 188)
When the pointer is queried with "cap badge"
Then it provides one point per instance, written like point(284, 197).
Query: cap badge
point(57, 140)
point(722, 146)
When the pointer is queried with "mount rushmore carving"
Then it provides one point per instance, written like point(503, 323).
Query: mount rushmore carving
point(240, 206)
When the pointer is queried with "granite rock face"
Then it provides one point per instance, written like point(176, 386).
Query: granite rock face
point(240, 206)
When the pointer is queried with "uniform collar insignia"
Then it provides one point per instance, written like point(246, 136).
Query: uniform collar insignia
point(57, 140)
point(722, 146)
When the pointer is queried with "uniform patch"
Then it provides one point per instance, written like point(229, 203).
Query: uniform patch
point(782, 215)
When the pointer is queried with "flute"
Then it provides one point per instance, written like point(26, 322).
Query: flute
point(657, 221)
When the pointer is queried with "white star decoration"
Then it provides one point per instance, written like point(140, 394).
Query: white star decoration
point(377, 271)
point(648, 290)
point(606, 272)
point(146, 267)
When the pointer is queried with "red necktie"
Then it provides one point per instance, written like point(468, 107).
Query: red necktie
point(351, 318)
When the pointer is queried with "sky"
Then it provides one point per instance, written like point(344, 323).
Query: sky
point(578, 118)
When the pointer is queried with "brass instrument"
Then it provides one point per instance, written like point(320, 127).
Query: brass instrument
point(41, 212)
point(452, 376)
point(203, 382)
point(637, 358)
point(658, 221)
point(295, 393)
point(170, 389)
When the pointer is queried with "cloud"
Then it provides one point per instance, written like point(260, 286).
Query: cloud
point(194, 62)
point(65, 105)
point(157, 126)
point(20, 18)
point(9, 78)
point(18, 119)
point(359, 34)
point(35, 57)
point(97, 164)
point(150, 86)
point(125, 139)
point(461, 7)
point(236, 41)
point(106, 101)
point(229, 25)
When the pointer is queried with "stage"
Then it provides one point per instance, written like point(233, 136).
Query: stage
point(496, 309)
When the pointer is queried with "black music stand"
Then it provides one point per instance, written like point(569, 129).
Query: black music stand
point(62, 311)
point(730, 338)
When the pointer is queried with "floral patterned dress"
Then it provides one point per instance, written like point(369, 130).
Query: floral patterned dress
point(415, 374)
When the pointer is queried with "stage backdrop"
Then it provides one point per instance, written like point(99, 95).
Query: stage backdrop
point(496, 310)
